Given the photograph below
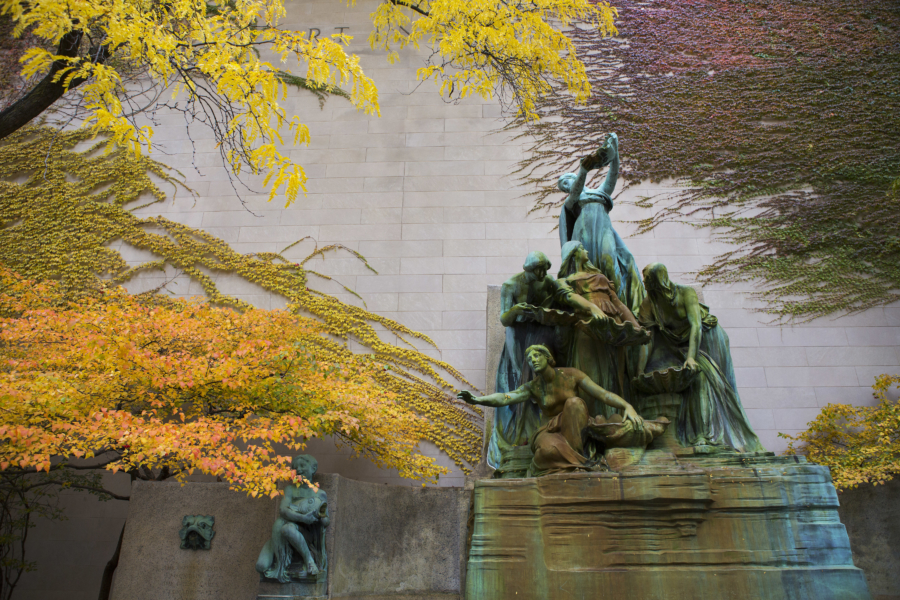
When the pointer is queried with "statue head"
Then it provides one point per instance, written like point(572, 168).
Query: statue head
point(565, 182)
point(657, 282)
point(305, 465)
point(197, 532)
point(572, 253)
point(537, 264)
point(539, 357)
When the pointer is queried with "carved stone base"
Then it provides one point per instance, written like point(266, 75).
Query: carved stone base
point(295, 590)
point(300, 586)
point(699, 524)
point(514, 463)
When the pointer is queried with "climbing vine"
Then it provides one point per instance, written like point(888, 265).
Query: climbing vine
point(781, 119)
point(60, 209)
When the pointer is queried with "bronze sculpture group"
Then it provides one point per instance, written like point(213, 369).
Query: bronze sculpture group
point(622, 338)
point(585, 353)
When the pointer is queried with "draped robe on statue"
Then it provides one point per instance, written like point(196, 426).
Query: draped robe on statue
point(588, 222)
point(605, 365)
point(514, 425)
point(711, 412)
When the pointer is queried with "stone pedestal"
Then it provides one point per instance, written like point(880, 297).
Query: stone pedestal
point(697, 524)
point(295, 590)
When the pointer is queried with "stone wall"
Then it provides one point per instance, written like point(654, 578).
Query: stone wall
point(383, 541)
point(871, 515)
point(152, 566)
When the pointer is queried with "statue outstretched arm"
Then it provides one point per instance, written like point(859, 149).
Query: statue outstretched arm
point(522, 394)
point(695, 318)
point(612, 152)
point(588, 386)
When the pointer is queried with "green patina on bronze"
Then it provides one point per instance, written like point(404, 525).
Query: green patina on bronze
point(677, 500)
point(608, 357)
point(197, 532)
point(296, 551)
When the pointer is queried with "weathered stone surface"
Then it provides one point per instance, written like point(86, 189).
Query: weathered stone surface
point(495, 336)
point(872, 517)
point(698, 525)
point(383, 542)
point(398, 540)
point(273, 590)
point(152, 566)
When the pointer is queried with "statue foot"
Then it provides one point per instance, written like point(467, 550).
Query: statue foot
point(311, 569)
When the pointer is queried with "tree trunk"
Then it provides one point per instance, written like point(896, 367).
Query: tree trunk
point(48, 91)
point(110, 570)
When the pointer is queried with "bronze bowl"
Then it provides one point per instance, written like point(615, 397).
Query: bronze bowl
point(669, 381)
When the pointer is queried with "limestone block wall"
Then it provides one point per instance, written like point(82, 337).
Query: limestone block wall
point(424, 193)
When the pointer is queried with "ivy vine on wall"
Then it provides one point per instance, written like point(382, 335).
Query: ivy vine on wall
point(61, 208)
point(781, 118)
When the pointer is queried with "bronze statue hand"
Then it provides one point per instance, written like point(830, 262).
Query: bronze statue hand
point(691, 365)
point(631, 415)
point(596, 159)
point(612, 142)
point(598, 314)
point(467, 397)
point(520, 308)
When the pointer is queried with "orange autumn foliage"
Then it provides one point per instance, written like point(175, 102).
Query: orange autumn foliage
point(156, 385)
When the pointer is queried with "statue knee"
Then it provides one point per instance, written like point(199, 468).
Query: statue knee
point(264, 562)
point(576, 404)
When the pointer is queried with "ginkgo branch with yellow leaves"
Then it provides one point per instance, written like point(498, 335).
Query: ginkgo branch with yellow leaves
point(114, 58)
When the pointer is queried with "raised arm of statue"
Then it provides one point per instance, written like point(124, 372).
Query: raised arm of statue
point(577, 185)
point(522, 394)
point(612, 154)
point(695, 318)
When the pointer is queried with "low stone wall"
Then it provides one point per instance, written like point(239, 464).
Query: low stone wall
point(383, 542)
point(152, 566)
point(399, 540)
point(871, 515)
